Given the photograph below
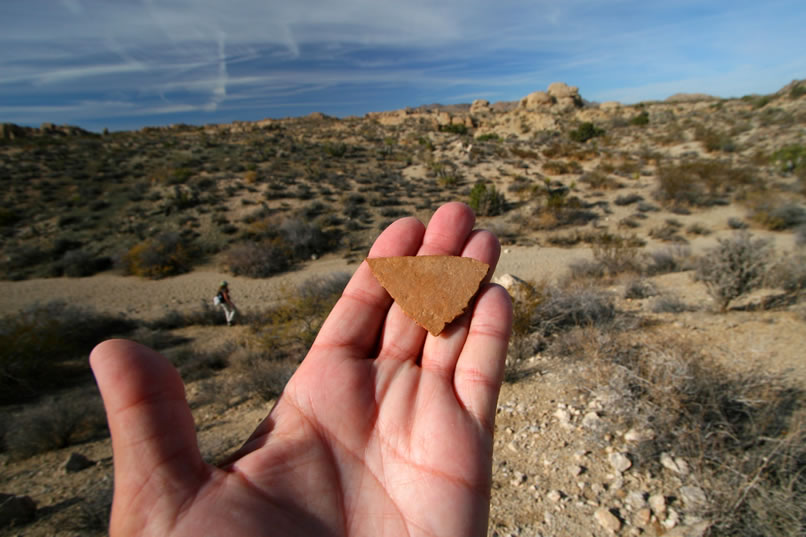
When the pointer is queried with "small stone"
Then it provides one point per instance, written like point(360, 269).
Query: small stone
point(636, 500)
point(693, 530)
point(575, 470)
point(642, 517)
point(592, 420)
point(635, 436)
point(668, 462)
point(518, 479)
point(692, 496)
point(554, 495)
point(620, 462)
point(658, 504)
point(672, 520)
point(76, 462)
point(607, 520)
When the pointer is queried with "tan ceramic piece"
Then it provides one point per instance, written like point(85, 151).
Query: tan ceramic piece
point(431, 289)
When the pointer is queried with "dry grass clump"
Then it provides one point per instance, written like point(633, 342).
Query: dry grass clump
point(54, 424)
point(700, 182)
point(675, 258)
point(45, 346)
point(776, 213)
point(290, 327)
point(742, 433)
point(735, 267)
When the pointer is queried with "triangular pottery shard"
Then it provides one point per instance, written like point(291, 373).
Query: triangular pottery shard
point(432, 289)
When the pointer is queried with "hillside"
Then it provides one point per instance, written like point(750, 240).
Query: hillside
point(634, 388)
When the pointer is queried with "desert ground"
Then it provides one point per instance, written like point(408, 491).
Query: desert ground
point(634, 402)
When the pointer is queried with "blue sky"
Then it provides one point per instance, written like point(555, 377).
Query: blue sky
point(130, 63)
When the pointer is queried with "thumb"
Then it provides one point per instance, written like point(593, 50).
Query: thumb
point(153, 436)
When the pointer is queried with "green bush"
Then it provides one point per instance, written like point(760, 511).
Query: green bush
point(585, 132)
point(641, 119)
point(734, 268)
point(485, 200)
point(454, 128)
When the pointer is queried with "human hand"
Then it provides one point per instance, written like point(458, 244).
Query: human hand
point(383, 429)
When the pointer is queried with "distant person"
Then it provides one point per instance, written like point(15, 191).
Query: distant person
point(383, 430)
point(223, 299)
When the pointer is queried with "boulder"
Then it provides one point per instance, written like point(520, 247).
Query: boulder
point(76, 462)
point(538, 99)
point(560, 90)
point(16, 509)
point(480, 106)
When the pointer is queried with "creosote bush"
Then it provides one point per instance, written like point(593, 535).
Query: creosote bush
point(485, 200)
point(40, 346)
point(166, 254)
point(734, 268)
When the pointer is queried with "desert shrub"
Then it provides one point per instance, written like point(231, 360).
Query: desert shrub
point(640, 288)
point(714, 140)
point(668, 303)
point(700, 182)
point(734, 268)
point(736, 223)
point(488, 137)
point(454, 128)
point(666, 260)
point(628, 199)
point(586, 269)
point(526, 297)
point(263, 374)
point(561, 167)
point(39, 345)
point(206, 314)
point(597, 179)
point(305, 237)
point(743, 431)
point(258, 259)
point(54, 424)
point(290, 327)
point(80, 263)
point(485, 200)
point(166, 254)
point(788, 273)
point(616, 253)
point(564, 308)
point(776, 214)
point(641, 119)
point(585, 132)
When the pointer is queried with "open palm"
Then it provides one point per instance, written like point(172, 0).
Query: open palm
point(383, 429)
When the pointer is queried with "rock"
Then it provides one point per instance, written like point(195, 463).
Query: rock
point(658, 504)
point(76, 462)
point(480, 106)
point(672, 520)
point(692, 496)
point(642, 517)
point(592, 421)
point(561, 89)
point(694, 530)
point(538, 99)
point(607, 520)
point(620, 462)
point(563, 416)
point(610, 106)
point(575, 470)
point(635, 436)
point(554, 495)
point(511, 283)
point(636, 500)
point(676, 465)
point(16, 509)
